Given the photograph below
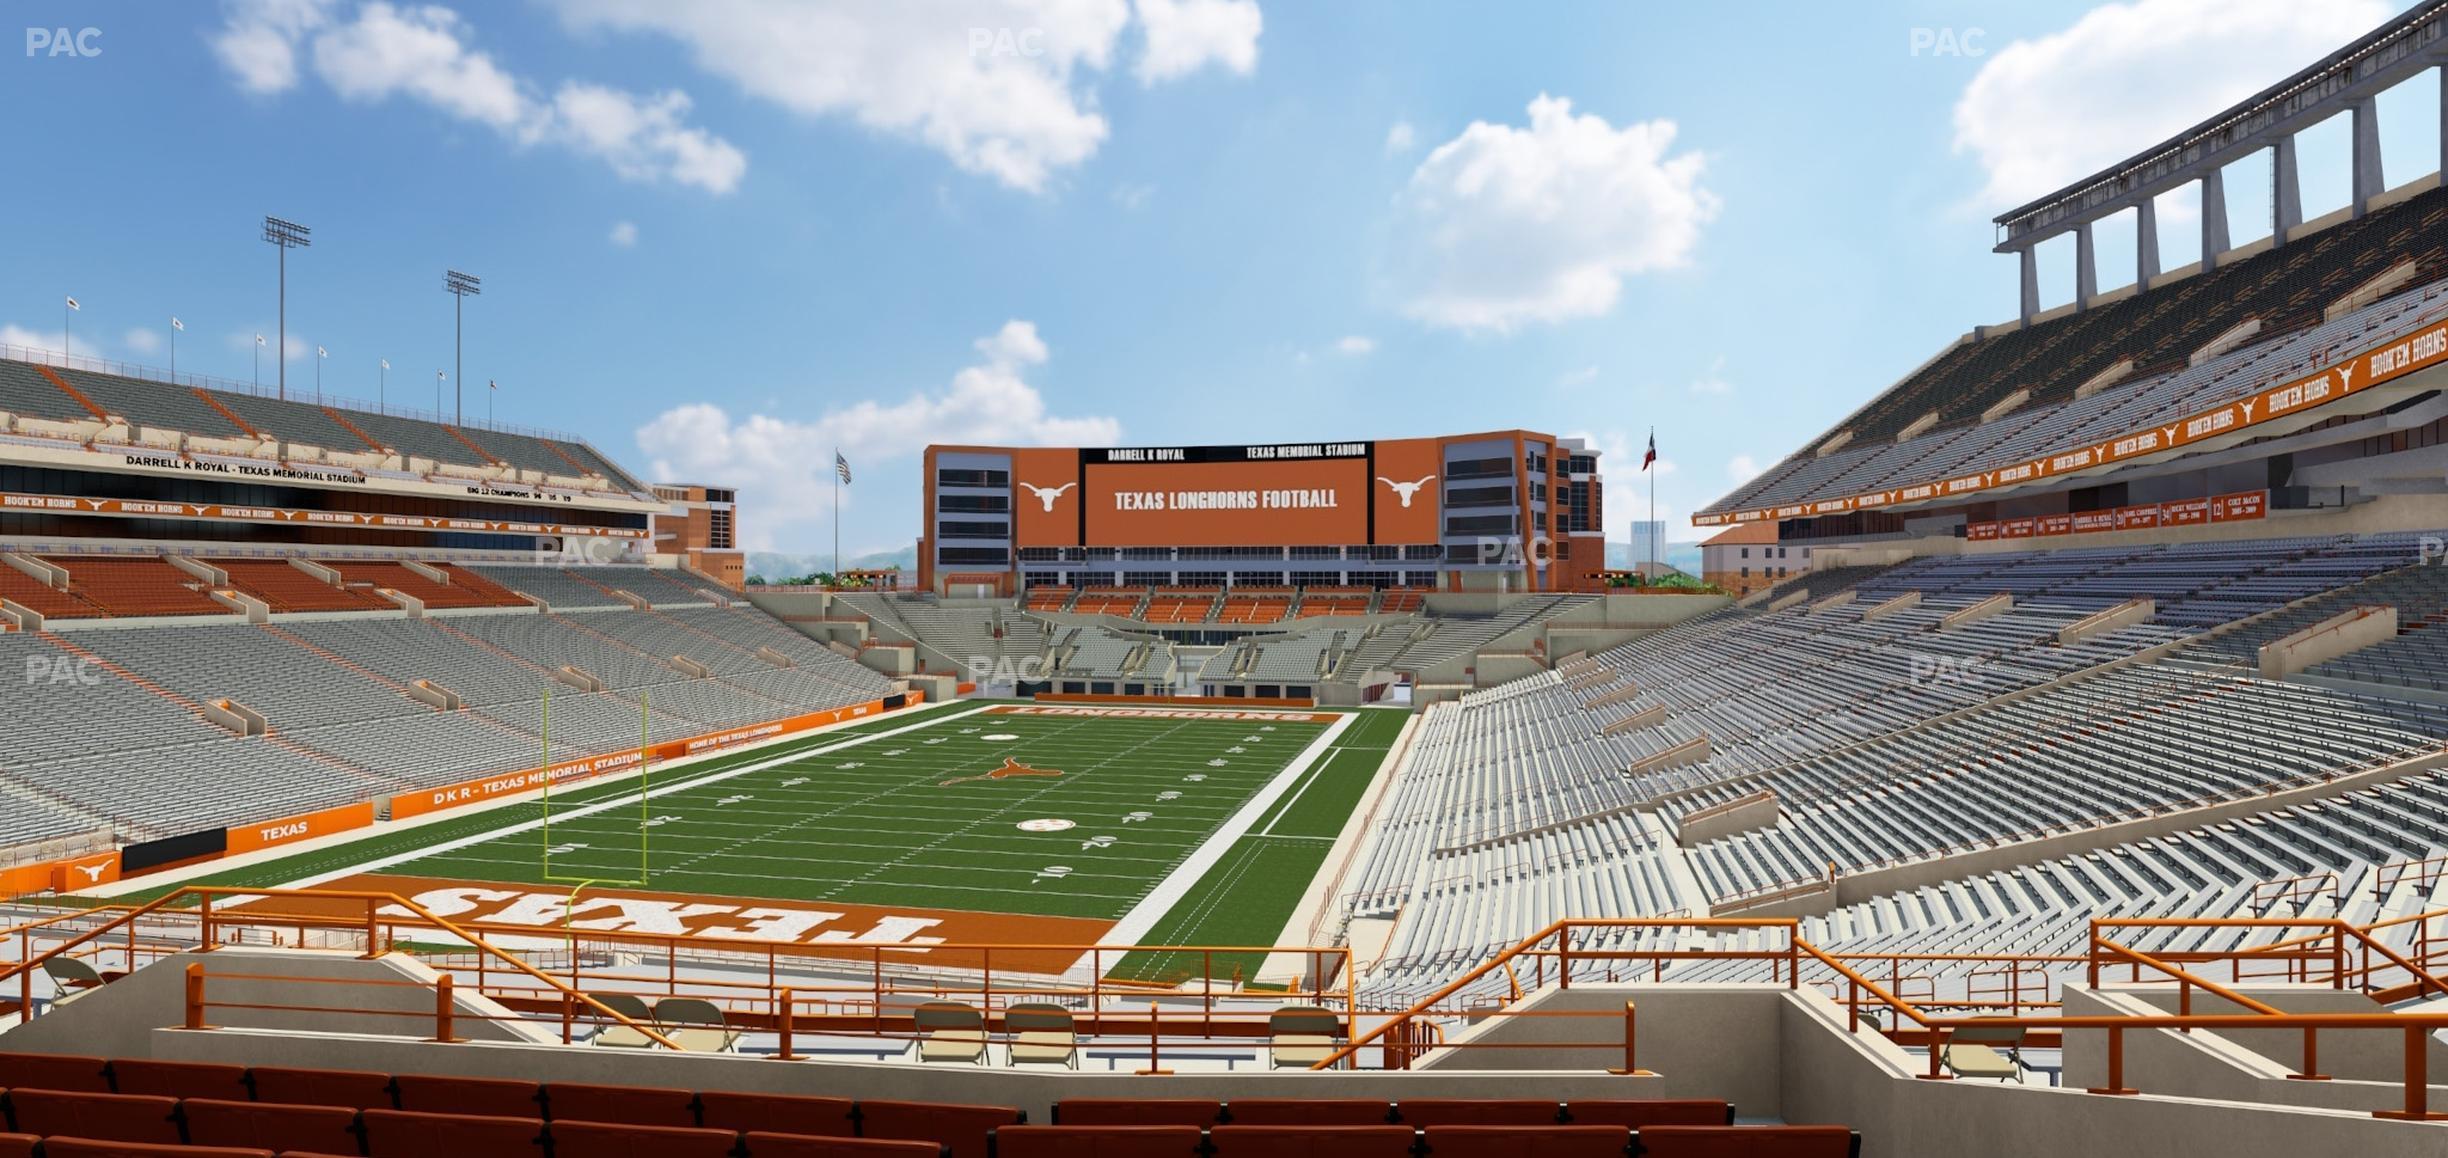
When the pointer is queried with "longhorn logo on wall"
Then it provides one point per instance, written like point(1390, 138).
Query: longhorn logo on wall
point(1404, 491)
point(1011, 768)
point(1047, 495)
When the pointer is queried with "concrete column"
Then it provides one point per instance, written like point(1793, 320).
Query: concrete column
point(2443, 136)
point(2368, 181)
point(2213, 218)
point(2146, 242)
point(2031, 280)
point(2086, 267)
point(2286, 205)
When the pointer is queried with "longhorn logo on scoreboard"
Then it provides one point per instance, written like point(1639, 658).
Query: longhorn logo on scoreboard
point(1047, 495)
point(1404, 491)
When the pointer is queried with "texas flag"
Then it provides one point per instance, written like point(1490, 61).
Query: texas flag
point(1650, 457)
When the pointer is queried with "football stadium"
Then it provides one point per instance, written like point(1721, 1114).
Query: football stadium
point(2050, 756)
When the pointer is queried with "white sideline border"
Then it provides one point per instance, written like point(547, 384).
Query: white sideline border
point(1169, 891)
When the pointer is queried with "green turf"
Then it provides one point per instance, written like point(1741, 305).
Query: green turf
point(900, 822)
point(1251, 893)
point(334, 857)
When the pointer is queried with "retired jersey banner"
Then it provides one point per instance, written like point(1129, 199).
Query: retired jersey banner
point(2388, 361)
point(2225, 508)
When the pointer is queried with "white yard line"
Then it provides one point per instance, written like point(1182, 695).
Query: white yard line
point(631, 798)
point(1169, 892)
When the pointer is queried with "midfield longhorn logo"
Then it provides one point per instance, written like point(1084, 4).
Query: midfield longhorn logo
point(1010, 769)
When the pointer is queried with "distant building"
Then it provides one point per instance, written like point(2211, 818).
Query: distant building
point(701, 525)
point(1748, 557)
point(1648, 543)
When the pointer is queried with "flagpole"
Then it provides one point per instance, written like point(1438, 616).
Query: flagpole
point(837, 516)
point(1654, 529)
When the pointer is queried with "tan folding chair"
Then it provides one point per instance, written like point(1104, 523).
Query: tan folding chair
point(70, 979)
point(1986, 1051)
point(695, 1025)
point(1300, 1036)
point(1042, 1034)
point(949, 1031)
point(618, 1036)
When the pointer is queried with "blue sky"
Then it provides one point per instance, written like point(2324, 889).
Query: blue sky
point(719, 238)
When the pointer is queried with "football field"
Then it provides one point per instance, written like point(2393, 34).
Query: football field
point(1005, 822)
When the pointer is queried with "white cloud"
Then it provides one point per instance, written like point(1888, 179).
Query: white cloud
point(296, 344)
point(258, 41)
point(1184, 36)
point(425, 54)
point(1400, 138)
point(2048, 111)
point(142, 341)
point(783, 466)
point(1742, 468)
point(1133, 198)
point(624, 234)
point(1355, 345)
point(1505, 226)
point(1003, 88)
point(1713, 383)
point(1581, 377)
point(16, 335)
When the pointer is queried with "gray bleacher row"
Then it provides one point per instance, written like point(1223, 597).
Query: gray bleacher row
point(2220, 870)
point(152, 405)
point(2123, 407)
point(343, 728)
point(1518, 762)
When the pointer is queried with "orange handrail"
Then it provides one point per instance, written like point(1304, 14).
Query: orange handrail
point(203, 895)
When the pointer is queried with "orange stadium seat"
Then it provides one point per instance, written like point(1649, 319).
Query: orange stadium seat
point(634, 1105)
point(1749, 1142)
point(175, 1079)
point(777, 1113)
point(1548, 1141)
point(73, 1073)
point(1097, 1142)
point(611, 1140)
point(496, 1097)
point(26, 591)
point(1426, 1112)
point(1049, 598)
point(211, 1122)
point(1639, 1114)
point(401, 1134)
point(763, 1145)
point(494, 593)
point(1137, 1112)
point(17, 1145)
point(1308, 1112)
point(356, 1089)
point(132, 587)
point(286, 588)
point(112, 1117)
point(1402, 599)
point(102, 1148)
point(398, 577)
point(1311, 1141)
point(962, 1128)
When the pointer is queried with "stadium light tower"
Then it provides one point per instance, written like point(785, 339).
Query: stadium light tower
point(286, 235)
point(382, 387)
point(462, 287)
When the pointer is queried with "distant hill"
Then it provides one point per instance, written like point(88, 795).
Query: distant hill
point(1684, 557)
point(773, 566)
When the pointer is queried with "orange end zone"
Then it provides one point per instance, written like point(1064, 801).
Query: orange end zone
point(803, 928)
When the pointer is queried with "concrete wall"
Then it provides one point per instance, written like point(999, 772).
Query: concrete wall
point(2324, 641)
point(2250, 1067)
point(120, 1019)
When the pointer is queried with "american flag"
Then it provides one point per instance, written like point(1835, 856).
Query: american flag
point(841, 466)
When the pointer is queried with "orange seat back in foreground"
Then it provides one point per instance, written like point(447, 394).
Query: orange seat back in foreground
point(1137, 1112)
point(1526, 1141)
point(1311, 1141)
point(108, 1117)
point(213, 1122)
point(1097, 1142)
point(1749, 1142)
